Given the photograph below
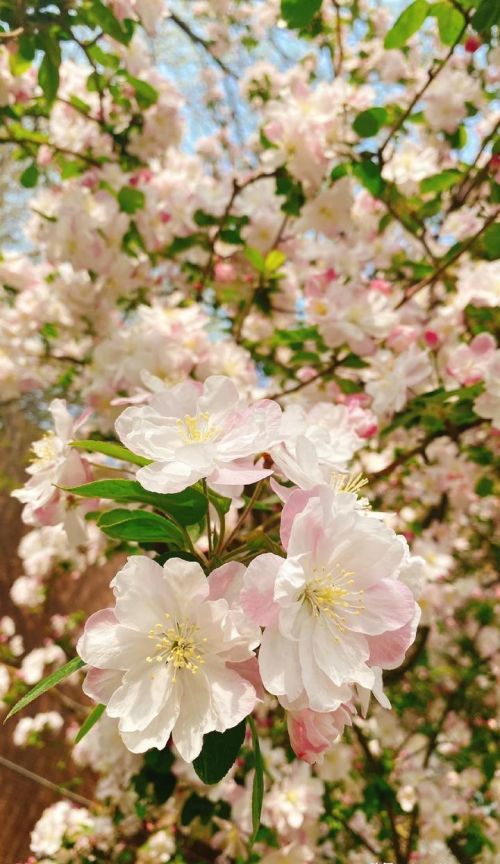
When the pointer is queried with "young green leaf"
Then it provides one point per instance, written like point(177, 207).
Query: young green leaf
point(42, 686)
point(450, 22)
point(130, 199)
point(274, 260)
point(110, 448)
point(90, 721)
point(258, 782)
point(255, 258)
point(369, 174)
point(369, 122)
point(29, 177)
point(48, 77)
point(299, 13)
point(410, 20)
point(187, 507)
point(139, 526)
point(218, 753)
point(439, 182)
point(486, 15)
point(145, 94)
point(104, 17)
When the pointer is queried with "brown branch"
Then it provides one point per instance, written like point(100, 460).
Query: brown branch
point(42, 781)
point(327, 369)
point(420, 448)
point(11, 34)
point(419, 235)
point(64, 150)
point(458, 200)
point(198, 40)
point(375, 765)
point(431, 76)
point(447, 262)
point(237, 188)
point(339, 47)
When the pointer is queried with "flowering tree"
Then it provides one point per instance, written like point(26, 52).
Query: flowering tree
point(244, 326)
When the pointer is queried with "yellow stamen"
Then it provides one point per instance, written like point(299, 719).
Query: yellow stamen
point(330, 593)
point(197, 429)
point(177, 645)
point(348, 482)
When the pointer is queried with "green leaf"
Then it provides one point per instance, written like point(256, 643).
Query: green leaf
point(110, 448)
point(255, 258)
point(204, 219)
point(484, 487)
point(292, 191)
point(369, 174)
point(103, 16)
point(342, 170)
point(90, 721)
point(258, 782)
point(486, 15)
point(410, 20)
point(130, 199)
point(187, 507)
point(218, 753)
point(299, 13)
point(450, 22)
point(352, 361)
point(109, 61)
point(18, 64)
point(145, 94)
point(42, 686)
point(139, 526)
point(491, 240)
point(369, 122)
point(440, 182)
point(48, 77)
point(19, 133)
point(29, 177)
point(274, 260)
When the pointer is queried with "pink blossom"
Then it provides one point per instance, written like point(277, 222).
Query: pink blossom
point(195, 431)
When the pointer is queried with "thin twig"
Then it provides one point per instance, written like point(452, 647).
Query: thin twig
point(325, 371)
point(11, 34)
point(204, 43)
point(339, 48)
point(64, 150)
point(42, 781)
point(458, 199)
point(432, 75)
point(429, 280)
point(244, 514)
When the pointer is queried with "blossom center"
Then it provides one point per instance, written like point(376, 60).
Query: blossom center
point(197, 429)
point(331, 594)
point(45, 450)
point(176, 645)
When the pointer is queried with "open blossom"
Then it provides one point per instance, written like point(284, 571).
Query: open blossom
point(194, 431)
point(335, 608)
point(295, 801)
point(350, 314)
point(410, 370)
point(469, 363)
point(160, 658)
point(315, 444)
point(55, 464)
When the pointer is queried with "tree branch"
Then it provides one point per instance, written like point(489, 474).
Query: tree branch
point(432, 75)
point(204, 43)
